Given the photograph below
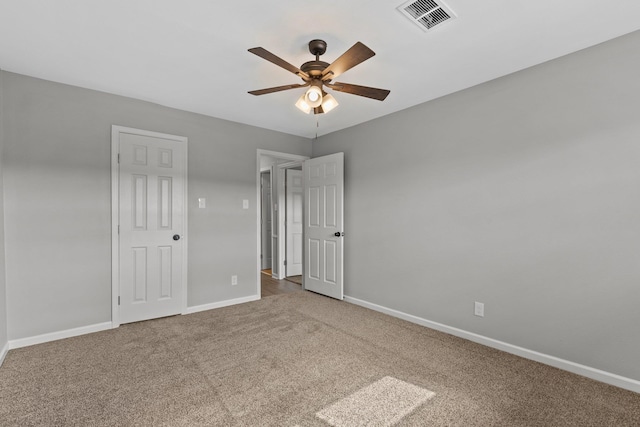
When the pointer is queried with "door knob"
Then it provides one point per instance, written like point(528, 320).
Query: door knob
point(338, 234)
point(176, 237)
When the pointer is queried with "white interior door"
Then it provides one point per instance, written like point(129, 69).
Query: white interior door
point(295, 197)
point(323, 224)
point(152, 181)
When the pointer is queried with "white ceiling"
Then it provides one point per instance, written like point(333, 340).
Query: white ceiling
point(192, 54)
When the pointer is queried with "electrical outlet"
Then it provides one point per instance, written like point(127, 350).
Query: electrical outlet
point(479, 309)
point(234, 280)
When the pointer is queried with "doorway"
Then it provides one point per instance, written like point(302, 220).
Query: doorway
point(322, 216)
point(275, 236)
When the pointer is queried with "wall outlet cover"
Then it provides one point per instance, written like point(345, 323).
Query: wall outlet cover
point(479, 309)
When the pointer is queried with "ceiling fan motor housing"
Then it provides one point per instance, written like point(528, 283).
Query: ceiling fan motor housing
point(317, 47)
point(315, 68)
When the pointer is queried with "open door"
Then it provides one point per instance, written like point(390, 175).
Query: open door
point(323, 224)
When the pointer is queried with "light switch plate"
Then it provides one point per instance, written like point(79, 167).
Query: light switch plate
point(202, 203)
point(245, 204)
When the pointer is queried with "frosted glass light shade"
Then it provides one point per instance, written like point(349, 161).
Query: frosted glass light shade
point(313, 96)
point(328, 103)
point(302, 105)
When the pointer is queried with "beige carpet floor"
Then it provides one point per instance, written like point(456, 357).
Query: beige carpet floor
point(297, 359)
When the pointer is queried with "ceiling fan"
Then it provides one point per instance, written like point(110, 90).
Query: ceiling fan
point(316, 74)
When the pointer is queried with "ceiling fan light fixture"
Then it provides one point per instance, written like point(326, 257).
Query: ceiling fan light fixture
point(328, 103)
point(317, 74)
point(302, 104)
point(313, 96)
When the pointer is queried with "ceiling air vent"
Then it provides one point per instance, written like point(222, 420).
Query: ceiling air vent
point(427, 14)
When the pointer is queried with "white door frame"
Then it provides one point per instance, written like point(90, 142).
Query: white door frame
point(115, 213)
point(281, 156)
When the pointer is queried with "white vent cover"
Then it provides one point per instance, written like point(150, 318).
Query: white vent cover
point(427, 14)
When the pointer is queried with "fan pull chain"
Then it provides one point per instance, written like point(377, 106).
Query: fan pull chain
point(317, 126)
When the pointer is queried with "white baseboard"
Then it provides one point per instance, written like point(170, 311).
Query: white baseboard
point(576, 368)
point(204, 307)
point(53, 336)
point(3, 352)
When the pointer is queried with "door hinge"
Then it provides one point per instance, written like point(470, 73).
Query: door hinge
point(118, 299)
point(118, 229)
point(285, 262)
point(118, 158)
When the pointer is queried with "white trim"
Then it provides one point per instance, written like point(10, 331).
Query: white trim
point(576, 368)
point(54, 336)
point(115, 201)
point(259, 154)
point(3, 352)
point(185, 251)
point(214, 305)
point(281, 180)
point(115, 209)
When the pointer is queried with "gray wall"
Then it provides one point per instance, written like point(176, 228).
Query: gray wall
point(522, 193)
point(3, 294)
point(57, 201)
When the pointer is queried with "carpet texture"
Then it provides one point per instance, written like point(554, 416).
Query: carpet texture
point(383, 403)
point(282, 360)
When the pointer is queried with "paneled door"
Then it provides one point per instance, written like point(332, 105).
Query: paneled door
point(295, 196)
point(323, 224)
point(152, 181)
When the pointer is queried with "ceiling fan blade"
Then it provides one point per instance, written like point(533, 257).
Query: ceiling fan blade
point(265, 54)
point(357, 54)
point(276, 89)
point(368, 92)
